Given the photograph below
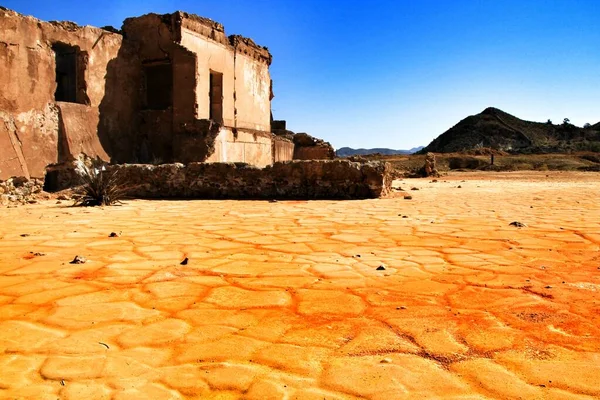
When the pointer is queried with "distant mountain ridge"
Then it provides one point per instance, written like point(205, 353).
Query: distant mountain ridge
point(348, 151)
point(499, 130)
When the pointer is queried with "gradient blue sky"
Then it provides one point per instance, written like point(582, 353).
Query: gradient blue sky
point(398, 73)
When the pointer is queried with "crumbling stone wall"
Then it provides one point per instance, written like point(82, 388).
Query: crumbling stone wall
point(337, 179)
point(139, 95)
point(307, 147)
point(30, 121)
point(194, 49)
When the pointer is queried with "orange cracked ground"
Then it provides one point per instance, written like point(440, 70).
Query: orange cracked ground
point(286, 300)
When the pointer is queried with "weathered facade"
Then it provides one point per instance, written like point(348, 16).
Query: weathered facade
point(167, 88)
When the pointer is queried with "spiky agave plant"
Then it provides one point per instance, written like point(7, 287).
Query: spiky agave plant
point(99, 187)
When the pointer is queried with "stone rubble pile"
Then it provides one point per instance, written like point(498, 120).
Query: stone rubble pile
point(430, 166)
point(20, 190)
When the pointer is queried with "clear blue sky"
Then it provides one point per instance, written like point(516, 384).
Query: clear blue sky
point(398, 73)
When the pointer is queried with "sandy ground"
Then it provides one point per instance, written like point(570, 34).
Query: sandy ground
point(285, 300)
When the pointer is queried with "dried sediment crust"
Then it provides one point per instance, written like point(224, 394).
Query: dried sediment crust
point(285, 299)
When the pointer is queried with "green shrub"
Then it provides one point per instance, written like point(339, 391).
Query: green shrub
point(99, 187)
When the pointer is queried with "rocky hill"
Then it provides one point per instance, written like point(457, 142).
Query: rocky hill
point(348, 151)
point(493, 128)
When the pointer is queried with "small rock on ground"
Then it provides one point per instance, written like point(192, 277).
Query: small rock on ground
point(517, 224)
point(78, 260)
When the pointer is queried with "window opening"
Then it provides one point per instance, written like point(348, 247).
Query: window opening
point(66, 72)
point(216, 96)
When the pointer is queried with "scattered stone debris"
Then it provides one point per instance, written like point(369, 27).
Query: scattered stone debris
point(25, 234)
point(381, 268)
point(273, 201)
point(459, 187)
point(434, 181)
point(405, 216)
point(401, 308)
point(114, 234)
point(20, 190)
point(414, 188)
point(37, 254)
point(518, 224)
point(185, 261)
point(407, 197)
point(78, 260)
point(62, 382)
point(386, 361)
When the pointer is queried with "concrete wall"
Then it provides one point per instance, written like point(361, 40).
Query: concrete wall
point(253, 148)
point(29, 117)
point(283, 150)
point(252, 90)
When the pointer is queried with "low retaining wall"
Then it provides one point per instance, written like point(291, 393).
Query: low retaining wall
point(326, 179)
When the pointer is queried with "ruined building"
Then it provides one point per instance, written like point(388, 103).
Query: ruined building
point(166, 88)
